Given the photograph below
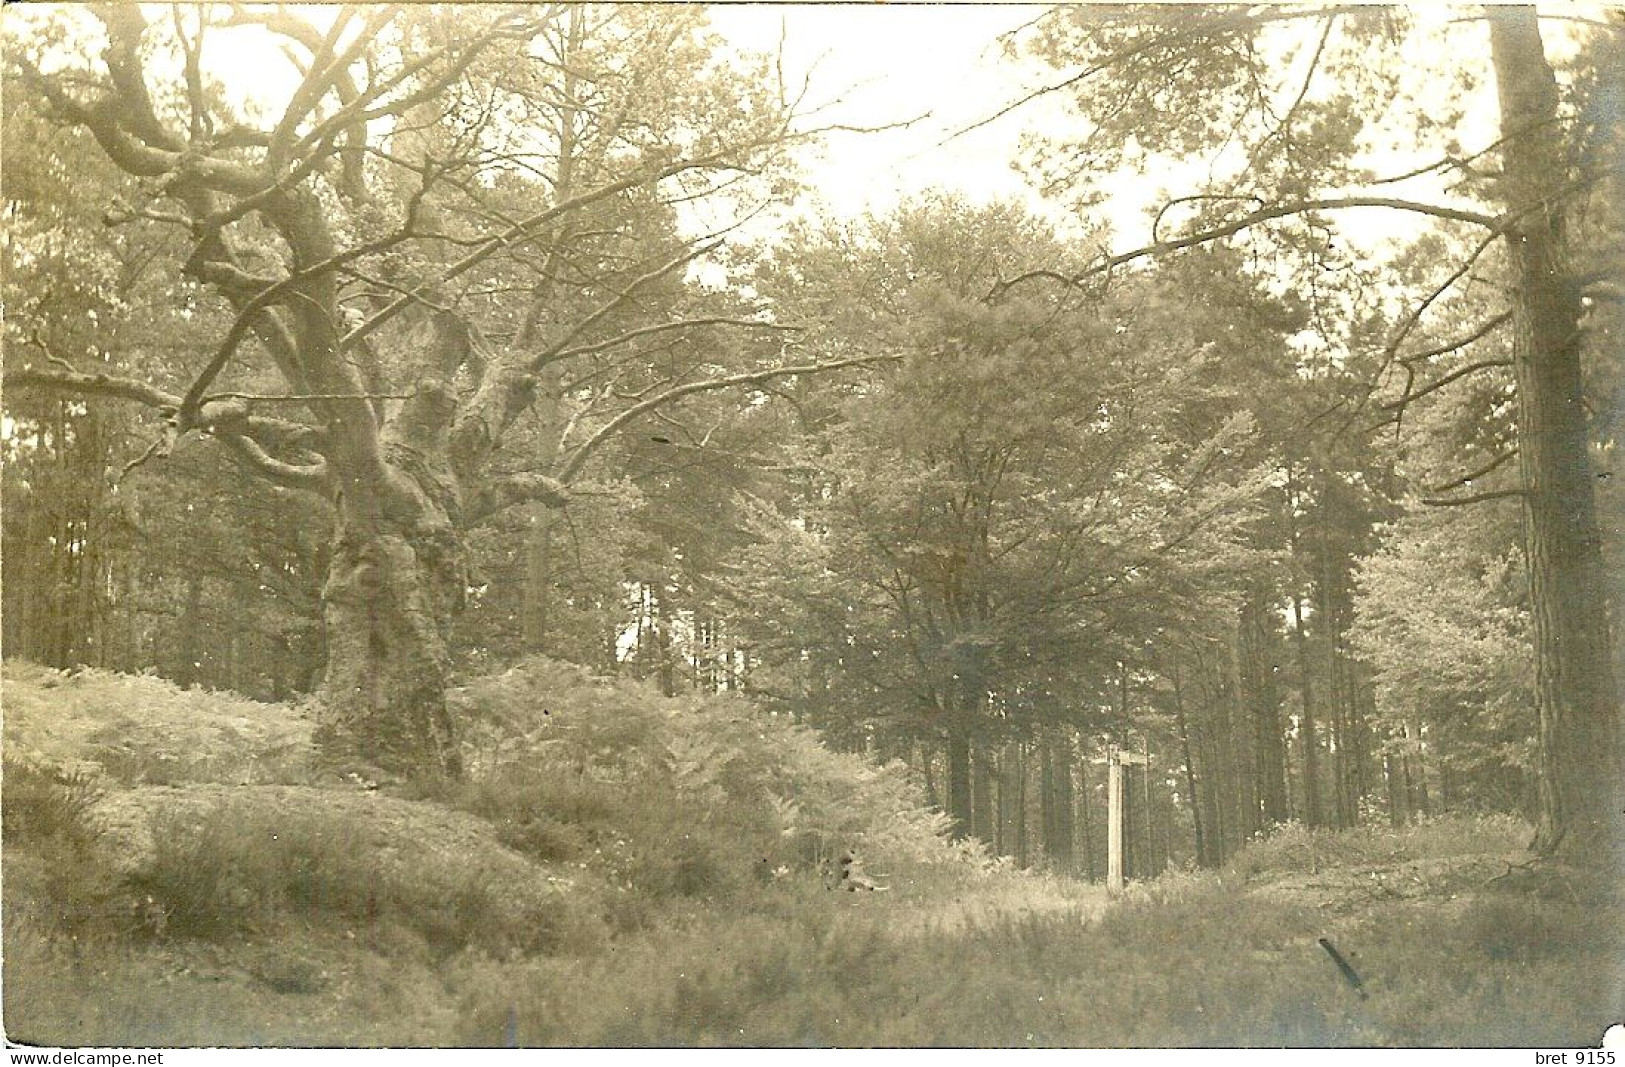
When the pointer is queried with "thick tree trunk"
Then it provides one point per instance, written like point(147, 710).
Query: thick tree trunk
point(189, 634)
point(1222, 826)
point(1576, 695)
point(1397, 814)
point(1153, 858)
point(395, 581)
point(1416, 775)
point(1000, 767)
point(388, 600)
point(933, 798)
point(1048, 836)
point(1055, 798)
point(667, 669)
point(538, 591)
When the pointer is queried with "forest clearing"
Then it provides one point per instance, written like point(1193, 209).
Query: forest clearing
point(576, 525)
point(276, 911)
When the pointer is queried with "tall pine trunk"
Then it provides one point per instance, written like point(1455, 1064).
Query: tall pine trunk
point(1086, 820)
point(1191, 795)
point(983, 815)
point(959, 799)
point(1308, 727)
point(1576, 696)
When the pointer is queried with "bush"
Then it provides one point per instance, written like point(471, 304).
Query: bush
point(685, 796)
point(144, 730)
point(1294, 848)
point(810, 974)
point(52, 862)
point(41, 802)
point(253, 864)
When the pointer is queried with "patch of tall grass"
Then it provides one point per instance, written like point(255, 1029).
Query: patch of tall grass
point(1295, 848)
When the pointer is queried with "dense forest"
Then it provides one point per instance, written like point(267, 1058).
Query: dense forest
point(483, 336)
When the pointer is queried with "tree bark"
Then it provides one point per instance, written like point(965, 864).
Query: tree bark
point(1000, 766)
point(1396, 807)
point(1191, 796)
point(1022, 846)
point(396, 580)
point(959, 798)
point(1576, 693)
point(1262, 700)
point(1086, 818)
point(1308, 728)
point(1153, 861)
point(189, 634)
point(1047, 833)
point(983, 816)
point(538, 592)
point(1065, 829)
point(389, 597)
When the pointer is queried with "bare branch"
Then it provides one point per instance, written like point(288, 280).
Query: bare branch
point(1476, 498)
point(325, 69)
point(286, 287)
point(125, 26)
point(1484, 330)
point(114, 387)
point(1461, 163)
point(508, 490)
point(585, 450)
point(624, 297)
point(527, 227)
point(1413, 318)
point(1433, 387)
point(134, 154)
point(199, 122)
point(1255, 218)
point(311, 477)
point(664, 327)
point(221, 418)
point(300, 398)
point(1472, 476)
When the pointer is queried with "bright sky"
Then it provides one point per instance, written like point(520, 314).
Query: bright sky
point(943, 61)
point(935, 63)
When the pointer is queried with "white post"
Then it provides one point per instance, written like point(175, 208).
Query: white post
point(1114, 820)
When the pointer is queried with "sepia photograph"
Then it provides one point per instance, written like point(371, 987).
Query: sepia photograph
point(812, 526)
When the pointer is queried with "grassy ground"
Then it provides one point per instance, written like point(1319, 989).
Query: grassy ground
point(644, 873)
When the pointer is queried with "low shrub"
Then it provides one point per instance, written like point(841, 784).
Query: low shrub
point(52, 862)
point(241, 868)
point(42, 801)
point(814, 975)
point(145, 730)
point(1295, 848)
point(668, 781)
point(1497, 970)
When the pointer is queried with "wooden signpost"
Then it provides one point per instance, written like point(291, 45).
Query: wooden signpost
point(1115, 758)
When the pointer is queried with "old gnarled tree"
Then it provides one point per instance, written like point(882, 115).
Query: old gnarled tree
point(450, 222)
